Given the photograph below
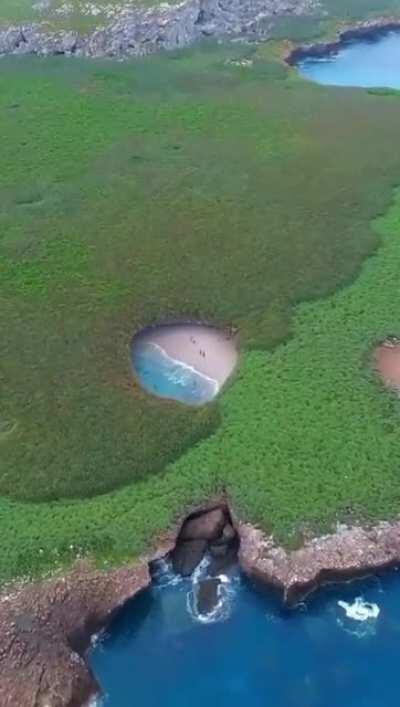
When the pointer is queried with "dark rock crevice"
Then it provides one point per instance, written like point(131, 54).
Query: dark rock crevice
point(206, 531)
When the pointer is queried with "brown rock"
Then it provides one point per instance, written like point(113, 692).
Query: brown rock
point(206, 526)
point(227, 537)
point(46, 629)
point(207, 595)
point(348, 553)
point(187, 555)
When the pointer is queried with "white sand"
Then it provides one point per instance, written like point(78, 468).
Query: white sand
point(188, 342)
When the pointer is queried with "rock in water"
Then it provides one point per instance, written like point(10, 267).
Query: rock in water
point(207, 595)
point(187, 555)
point(207, 526)
point(136, 31)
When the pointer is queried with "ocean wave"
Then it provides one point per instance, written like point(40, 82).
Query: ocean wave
point(181, 372)
point(226, 593)
point(360, 617)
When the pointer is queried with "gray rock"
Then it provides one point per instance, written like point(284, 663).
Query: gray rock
point(10, 40)
point(35, 41)
point(187, 555)
point(139, 31)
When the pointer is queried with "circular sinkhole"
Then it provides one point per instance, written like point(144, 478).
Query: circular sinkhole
point(185, 362)
point(387, 362)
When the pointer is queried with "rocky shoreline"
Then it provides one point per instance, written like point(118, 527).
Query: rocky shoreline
point(367, 29)
point(140, 31)
point(348, 553)
point(47, 626)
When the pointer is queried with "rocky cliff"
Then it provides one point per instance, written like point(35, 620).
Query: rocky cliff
point(139, 31)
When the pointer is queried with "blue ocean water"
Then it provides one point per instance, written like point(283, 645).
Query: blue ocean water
point(339, 649)
point(169, 378)
point(367, 63)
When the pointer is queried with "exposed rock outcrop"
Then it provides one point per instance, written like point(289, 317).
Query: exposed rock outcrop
point(366, 29)
point(208, 529)
point(187, 555)
point(348, 553)
point(46, 627)
point(205, 526)
point(139, 31)
point(207, 596)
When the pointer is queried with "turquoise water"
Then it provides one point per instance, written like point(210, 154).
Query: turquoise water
point(169, 378)
point(254, 653)
point(368, 63)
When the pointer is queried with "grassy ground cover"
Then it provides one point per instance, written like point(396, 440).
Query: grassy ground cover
point(189, 186)
point(202, 191)
point(308, 437)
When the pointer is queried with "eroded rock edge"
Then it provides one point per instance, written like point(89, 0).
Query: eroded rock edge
point(47, 626)
point(141, 31)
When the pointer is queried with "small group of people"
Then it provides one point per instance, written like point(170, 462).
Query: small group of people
point(201, 351)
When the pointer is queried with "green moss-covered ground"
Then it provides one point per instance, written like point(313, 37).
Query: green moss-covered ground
point(186, 185)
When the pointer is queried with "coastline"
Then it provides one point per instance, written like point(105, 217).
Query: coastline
point(367, 29)
point(47, 625)
point(203, 349)
point(185, 366)
point(295, 573)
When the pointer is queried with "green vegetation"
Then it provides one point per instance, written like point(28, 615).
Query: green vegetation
point(308, 437)
point(190, 186)
point(359, 9)
point(194, 195)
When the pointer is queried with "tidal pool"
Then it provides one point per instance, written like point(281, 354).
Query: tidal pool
point(338, 649)
point(367, 63)
point(185, 362)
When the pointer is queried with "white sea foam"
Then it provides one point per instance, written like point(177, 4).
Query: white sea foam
point(360, 610)
point(164, 575)
point(360, 618)
point(226, 593)
point(97, 701)
point(186, 366)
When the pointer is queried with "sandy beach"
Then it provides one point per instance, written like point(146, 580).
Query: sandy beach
point(205, 348)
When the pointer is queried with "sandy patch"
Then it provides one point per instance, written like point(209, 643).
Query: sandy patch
point(208, 350)
point(387, 363)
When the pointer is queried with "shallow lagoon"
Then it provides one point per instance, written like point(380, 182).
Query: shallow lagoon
point(366, 63)
point(334, 650)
